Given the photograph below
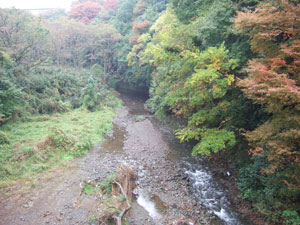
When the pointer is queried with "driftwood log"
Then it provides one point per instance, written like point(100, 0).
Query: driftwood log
point(119, 218)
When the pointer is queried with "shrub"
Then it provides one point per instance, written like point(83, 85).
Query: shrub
point(106, 185)
point(3, 138)
point(291, 217)
point(68, 143)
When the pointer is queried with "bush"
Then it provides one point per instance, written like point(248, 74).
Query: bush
point(9, 97)
point(91, 98)
point(68, 143)
point(106, 185)
point(50, 105)
point(291, 217)
point(269, 195)
point(3, 138)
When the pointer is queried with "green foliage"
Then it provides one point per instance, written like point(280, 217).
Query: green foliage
point(201, 101)
point(106, 185)
point(124, 16)
point(36, 56)
point(133, 18)
point(188, 10)
point(88, 189)
point(3, 138)
point(211, 140)
point(98, 71)
point(139, 118)
point(44, 141)
point(273, 81)
point(267, 193)
point(50, 90)
point(121, 198)
point(291, 217)
point(91, 99)
point(9, 98)
point(9, 93)
point(196, 85)
point(24, 39)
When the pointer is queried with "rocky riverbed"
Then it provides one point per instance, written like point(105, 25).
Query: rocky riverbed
point(165, 192)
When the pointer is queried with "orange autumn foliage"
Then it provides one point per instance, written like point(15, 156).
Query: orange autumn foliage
point(85, 11)
point(111, 5)
point(138, 29)
point(274, 81)
point(141, 27)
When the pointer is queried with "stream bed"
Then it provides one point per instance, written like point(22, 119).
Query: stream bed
point(206, 189)
point(172, 186)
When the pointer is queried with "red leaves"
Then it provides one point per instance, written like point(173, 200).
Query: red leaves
point(257, 151)
point(134, 39)
point(270, 26)
point(275, 33)
point(140, 27)
point(274, 80)
point(111, 5)
point(89, 10)
point(86, 11)
point(277, 63)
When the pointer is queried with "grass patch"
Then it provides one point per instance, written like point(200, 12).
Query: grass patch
point(89, 189)
point(43, 141)
point(139, 118)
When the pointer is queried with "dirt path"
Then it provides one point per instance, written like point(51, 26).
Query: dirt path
point(163, 194)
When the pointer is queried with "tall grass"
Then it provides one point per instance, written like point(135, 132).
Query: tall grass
point(46, 140)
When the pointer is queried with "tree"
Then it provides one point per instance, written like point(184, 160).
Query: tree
point(202, 101)
point(274, 81)
point(85, 11)
point(9, 93)
point(111, 5)
point(189, 83)
point(74, 43)
point(23, 37)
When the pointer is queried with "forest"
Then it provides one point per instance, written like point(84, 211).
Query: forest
point(229, 69)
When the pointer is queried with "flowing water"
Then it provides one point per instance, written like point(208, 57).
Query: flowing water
point(152, 204)
point(206, 188)
point(210, 193)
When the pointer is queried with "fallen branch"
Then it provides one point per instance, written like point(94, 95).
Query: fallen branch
point(119, 218)
point(223, 122)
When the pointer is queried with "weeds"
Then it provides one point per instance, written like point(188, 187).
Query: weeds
point(139, 118)
point(44, 141)
point(89, 189)
point(106, 185)
point(117, 195)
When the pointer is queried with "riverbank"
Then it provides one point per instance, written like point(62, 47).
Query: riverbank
point(164, 195)
point(44, 141)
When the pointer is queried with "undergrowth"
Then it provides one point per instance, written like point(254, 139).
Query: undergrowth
point(30, 147)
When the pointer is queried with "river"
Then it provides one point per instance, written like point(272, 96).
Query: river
point(205, 187)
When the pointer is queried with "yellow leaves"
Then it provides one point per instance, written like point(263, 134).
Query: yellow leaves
point(144, 38)
point(216, 88)
point(230, 79)
point(187, 54)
